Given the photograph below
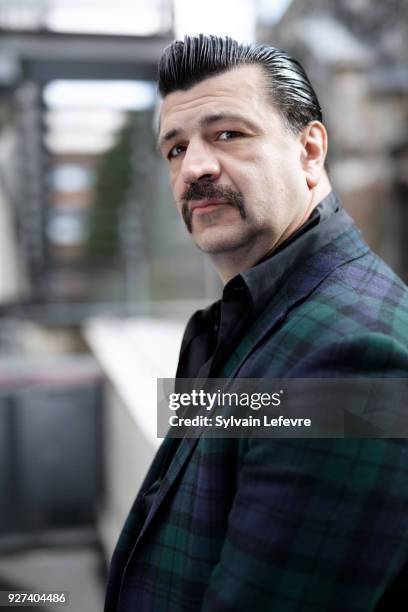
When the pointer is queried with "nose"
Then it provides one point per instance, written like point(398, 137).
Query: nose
point(200, 163)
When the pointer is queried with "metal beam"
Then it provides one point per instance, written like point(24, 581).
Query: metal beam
point(47, 55)
point(48, 70)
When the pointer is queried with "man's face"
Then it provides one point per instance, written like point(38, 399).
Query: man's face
point(235, 169)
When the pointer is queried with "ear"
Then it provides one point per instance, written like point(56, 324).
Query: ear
point(314, 149)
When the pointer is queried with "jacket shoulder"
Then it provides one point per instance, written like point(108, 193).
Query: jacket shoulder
point(354, 320)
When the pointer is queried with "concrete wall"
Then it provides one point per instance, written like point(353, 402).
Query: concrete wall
point(132, 353)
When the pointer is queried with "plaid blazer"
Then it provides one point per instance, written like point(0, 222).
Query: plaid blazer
point(291, 524)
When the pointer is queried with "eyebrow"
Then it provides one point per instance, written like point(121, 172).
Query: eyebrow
point(204, 122)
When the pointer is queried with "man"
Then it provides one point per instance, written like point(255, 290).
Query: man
point(262, 524)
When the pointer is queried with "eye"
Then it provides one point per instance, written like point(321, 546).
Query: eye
point(228, 134)
point(175, 151)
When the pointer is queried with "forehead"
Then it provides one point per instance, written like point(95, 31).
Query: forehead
point(240, 90)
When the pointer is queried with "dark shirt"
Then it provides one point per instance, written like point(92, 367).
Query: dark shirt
point(212, 334)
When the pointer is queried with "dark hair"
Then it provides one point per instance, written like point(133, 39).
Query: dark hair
point(186, 63)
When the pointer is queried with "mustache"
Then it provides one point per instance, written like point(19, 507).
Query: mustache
point(206, 190)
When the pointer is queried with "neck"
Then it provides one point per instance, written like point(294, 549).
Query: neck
point(230, 264)
point(322, 189)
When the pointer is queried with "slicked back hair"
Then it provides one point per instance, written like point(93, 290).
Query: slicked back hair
point(183, 64)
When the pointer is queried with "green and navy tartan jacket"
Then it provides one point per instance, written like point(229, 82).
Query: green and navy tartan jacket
point(291, 524)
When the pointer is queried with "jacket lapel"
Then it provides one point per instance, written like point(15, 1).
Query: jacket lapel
point(178, 460)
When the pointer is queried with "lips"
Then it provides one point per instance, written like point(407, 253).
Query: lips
point(204, 204)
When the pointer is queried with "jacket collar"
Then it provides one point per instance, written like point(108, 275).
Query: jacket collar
point(264, 280)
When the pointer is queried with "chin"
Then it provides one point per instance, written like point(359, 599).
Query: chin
point(221, 244)
point(231, 239)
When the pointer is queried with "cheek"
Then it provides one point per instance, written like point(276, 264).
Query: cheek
point(176, 188)
point(177, 191)
point(176, 180)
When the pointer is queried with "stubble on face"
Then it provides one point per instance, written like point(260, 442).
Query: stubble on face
point(206, 190)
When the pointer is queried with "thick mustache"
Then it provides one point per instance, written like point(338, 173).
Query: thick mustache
point(206, 190)
point(210, 191)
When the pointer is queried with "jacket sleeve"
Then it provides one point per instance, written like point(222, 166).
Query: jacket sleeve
point(318, 524)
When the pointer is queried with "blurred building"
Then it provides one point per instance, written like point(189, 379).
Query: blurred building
point(79, 183)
